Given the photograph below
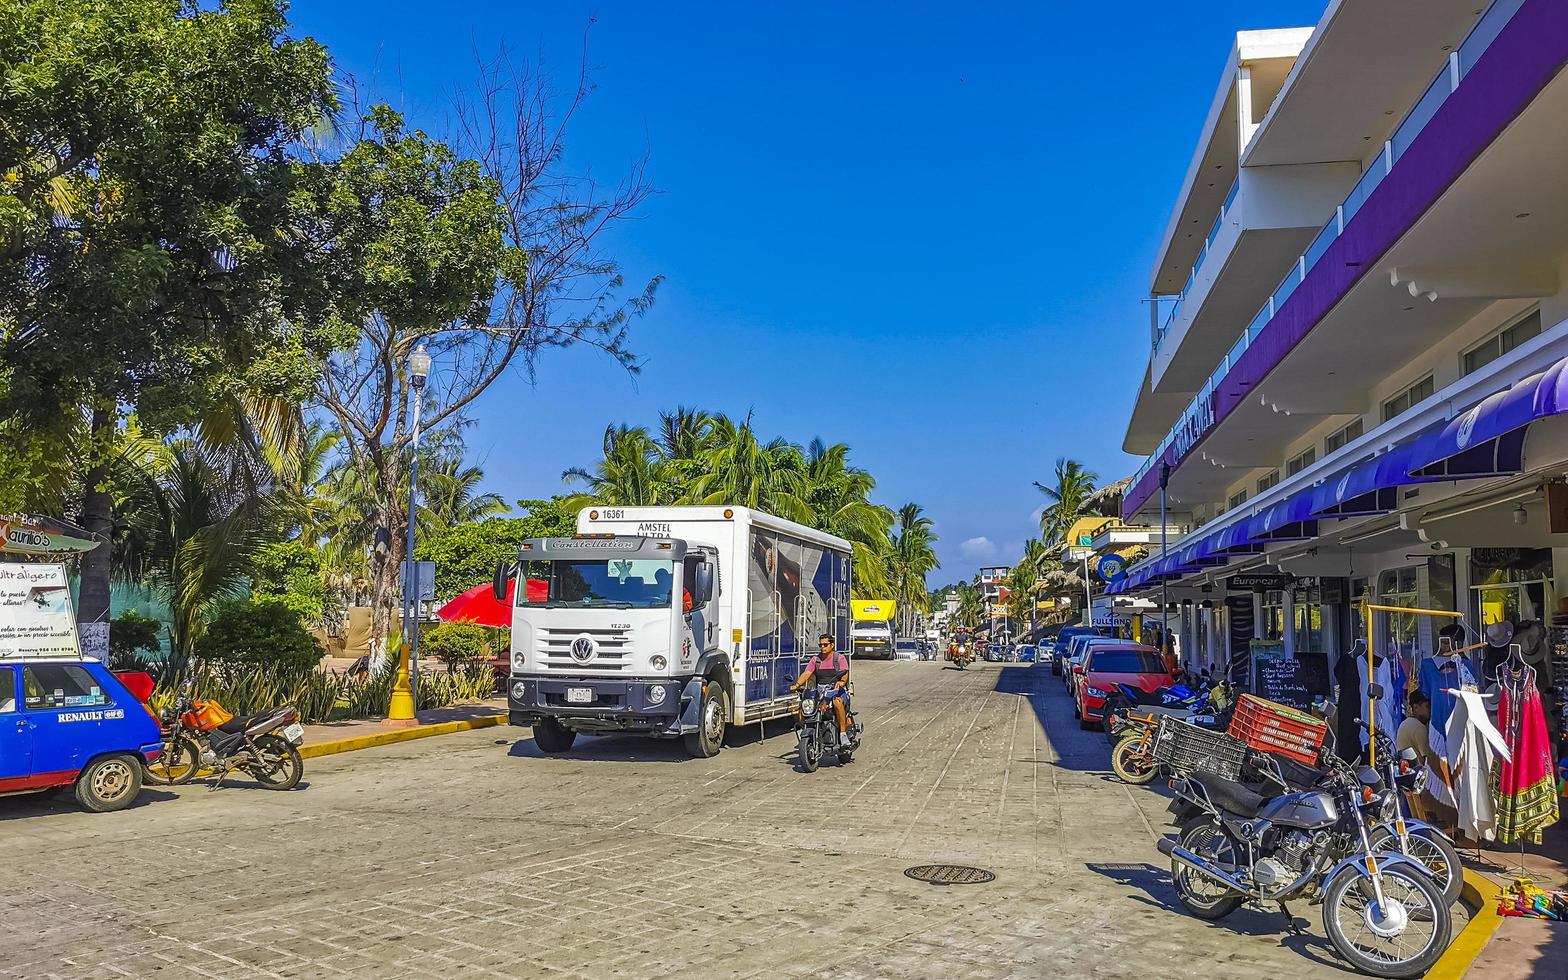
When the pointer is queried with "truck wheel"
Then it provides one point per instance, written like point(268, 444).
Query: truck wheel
point(552, 737)
point(109, 783)
point(712, 715)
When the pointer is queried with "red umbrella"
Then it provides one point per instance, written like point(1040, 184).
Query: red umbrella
point(478, 604)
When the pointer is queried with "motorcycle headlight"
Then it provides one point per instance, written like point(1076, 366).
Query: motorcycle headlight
point(657, 694)
point(808, 706)
point(519, 691)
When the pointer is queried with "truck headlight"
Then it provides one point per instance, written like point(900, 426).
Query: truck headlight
point(519, 691)
point(518, 659)
point(659, 663)
point(657, 694)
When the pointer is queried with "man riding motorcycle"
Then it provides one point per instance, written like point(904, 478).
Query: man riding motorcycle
point(830, 668)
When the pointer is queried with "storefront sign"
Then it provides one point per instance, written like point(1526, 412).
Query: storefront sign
point(1112, 568)
point(36, 619)
point(1198, 420)
point(1292, 681)
point(1257, 583)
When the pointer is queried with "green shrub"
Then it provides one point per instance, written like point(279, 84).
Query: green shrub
point(290, 571)
point(258, 632)
point(454, 643)
point(132, 637)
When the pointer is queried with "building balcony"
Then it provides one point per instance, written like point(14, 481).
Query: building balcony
point(1469, 254)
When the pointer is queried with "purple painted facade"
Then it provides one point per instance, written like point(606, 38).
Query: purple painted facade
point(1521, 61)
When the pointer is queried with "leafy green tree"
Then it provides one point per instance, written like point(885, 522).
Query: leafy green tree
point(291, 573)
point(151, 259)
point(450, 493)
point(258, 633)
point(466, 554)
point(911, 557)
point(130, 636)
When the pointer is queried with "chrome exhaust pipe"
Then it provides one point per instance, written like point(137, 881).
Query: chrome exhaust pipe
point(1186, 858)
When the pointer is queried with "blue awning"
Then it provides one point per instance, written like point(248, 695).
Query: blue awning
point(1368, 486)
point(1286, 520)
point(1200, 554)
point(1235, 541)
point(1488, 440)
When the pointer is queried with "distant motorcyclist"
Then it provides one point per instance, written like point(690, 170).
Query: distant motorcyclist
point(831, 669)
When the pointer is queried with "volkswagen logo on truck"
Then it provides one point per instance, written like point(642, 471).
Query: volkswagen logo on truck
point(582, 649)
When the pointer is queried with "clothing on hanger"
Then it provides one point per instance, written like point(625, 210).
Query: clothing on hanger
point(1347, 677)
point(1526, 791)
point(1473, 743)
point(1438, 677)
point(1383, 712)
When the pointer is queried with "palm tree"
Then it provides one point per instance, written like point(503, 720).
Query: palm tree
point(837, 496)
point(737, 468)
point(627, 473)
point(1074, 485)
point(450, 495)
point(191, 531)
point(910, 558)
point(970, 608)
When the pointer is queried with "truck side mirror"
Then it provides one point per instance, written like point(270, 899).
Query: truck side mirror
point(498, 584)
point(703, 591)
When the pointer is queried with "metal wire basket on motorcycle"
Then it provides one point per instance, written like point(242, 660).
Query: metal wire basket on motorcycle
point(1184, 748)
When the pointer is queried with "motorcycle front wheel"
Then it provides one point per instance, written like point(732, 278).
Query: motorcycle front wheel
point(1404, 938)
point(1132, 762)
point(808, 757)
point(1432, 849)
point(176, 765)
point(279, 765)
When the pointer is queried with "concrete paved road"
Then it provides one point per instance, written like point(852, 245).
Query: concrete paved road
point(471, 854)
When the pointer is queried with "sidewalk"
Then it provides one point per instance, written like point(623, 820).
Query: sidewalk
point(1523, 948)
point(345, 736)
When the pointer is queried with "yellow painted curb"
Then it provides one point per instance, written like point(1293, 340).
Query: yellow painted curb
point(317, 749)
point(1481, 896)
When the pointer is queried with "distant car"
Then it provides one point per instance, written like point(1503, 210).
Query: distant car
point(906, 650)
point(1108, 665)
point(993, 652)
point(1059, 646)
point(1026, 653)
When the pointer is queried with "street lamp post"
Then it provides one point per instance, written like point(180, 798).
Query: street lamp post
point(1165, 604)
point(403, 689)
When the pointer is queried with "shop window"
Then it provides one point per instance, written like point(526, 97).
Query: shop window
point(1274, 615)
point(1511, 583)
point(1502, 342)
point(1307, 458)
point(1237, 499)
point(1336, 440)
point(1307, 613)
point(1397, 631)
point(1411, 396)
point(1268, 482)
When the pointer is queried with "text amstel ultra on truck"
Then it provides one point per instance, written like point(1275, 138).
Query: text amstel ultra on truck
point(668, 621)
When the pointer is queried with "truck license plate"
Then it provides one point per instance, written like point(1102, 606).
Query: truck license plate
point(579, 695)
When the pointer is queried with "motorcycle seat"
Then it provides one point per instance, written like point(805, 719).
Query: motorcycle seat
point(1229, 796)
point(239, 723)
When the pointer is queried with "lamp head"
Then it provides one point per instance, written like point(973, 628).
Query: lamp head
point(419, 366)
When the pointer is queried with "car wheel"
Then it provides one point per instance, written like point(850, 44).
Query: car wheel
point(109, 783)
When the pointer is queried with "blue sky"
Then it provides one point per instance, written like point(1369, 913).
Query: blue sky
point(923, 230)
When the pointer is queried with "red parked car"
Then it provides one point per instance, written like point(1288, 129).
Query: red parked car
point(1106, 666)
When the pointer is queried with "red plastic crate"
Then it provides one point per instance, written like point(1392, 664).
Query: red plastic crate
point(1271, 727)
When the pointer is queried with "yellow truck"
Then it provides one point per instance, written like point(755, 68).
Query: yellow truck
point(871, 628)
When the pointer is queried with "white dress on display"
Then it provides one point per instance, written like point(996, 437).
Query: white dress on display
point(1473, 743)
point(1383, 674)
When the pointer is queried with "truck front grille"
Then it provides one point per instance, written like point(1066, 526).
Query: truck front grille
point(612, 649)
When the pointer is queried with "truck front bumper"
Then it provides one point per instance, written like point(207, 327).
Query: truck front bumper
point(648, 705)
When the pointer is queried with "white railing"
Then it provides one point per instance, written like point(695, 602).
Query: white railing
point(1459, 64)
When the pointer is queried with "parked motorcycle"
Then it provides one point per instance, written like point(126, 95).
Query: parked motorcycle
point(816, 729)
point(1381, 909)
point(199, 734)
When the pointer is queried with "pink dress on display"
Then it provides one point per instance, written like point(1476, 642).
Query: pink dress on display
point(1523, 784)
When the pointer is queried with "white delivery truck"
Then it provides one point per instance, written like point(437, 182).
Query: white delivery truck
point(668, 621)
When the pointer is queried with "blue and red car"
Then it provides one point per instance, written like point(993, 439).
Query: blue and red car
point(72, 722)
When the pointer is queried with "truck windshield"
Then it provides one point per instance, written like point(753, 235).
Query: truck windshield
point(618, 583)
point(871, 625)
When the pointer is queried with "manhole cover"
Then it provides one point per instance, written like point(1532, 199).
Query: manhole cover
point(949, 874)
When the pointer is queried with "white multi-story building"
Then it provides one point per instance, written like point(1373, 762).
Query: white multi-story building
point(1358, 366)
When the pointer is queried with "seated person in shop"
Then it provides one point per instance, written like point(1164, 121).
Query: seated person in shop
point(1413, 733)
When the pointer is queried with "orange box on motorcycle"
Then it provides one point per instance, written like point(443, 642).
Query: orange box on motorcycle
point(1272, 727)
point(1186, 748)
point(204, 716)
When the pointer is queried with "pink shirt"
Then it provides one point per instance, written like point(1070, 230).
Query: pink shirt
point(837, 663)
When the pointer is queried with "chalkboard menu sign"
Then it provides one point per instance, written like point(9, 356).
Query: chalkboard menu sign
point(1292, 681)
